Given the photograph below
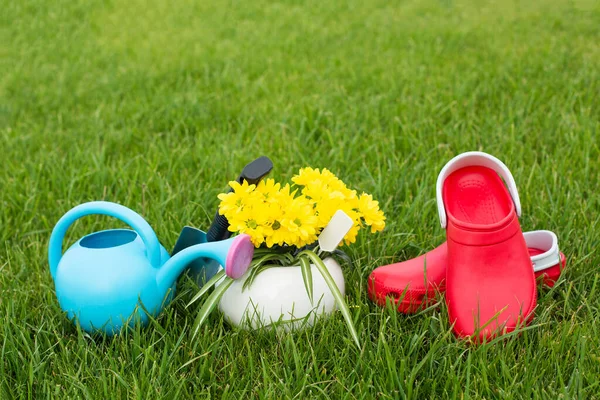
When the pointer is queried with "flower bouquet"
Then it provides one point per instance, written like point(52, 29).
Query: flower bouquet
point(284, 223)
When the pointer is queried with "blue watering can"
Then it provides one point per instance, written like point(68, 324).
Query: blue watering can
point(104, 277)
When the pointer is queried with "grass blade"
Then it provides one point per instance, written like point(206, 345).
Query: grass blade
point(307, 276)
point(210, 304)
point(335, 291)
point(206, 287)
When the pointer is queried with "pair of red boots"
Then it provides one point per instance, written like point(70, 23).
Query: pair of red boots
point(487, 267)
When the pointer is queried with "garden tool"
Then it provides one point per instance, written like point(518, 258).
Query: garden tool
point(202, 269)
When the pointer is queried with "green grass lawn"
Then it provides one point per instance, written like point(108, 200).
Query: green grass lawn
point(156, 105)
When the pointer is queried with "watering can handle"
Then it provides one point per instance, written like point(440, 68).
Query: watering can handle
point(118, 211)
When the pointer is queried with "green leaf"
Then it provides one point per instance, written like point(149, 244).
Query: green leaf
point(269, 257)
point(273, 250)
point(254, 273)
point(257, 265)
point(335, 291)
point(307, 276)
point(291, 260)
point(210, 304)
point(341, 255)
point(206, 287)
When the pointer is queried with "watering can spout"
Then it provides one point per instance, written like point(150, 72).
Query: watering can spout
point(234, 254)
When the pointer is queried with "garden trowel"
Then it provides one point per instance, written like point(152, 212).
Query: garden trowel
point(203, 269)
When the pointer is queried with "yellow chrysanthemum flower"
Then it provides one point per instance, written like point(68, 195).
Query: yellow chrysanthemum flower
point(326, 207)
point(353, 232)
point(269, 189)
point(317, 191)
point(285, 195)
point(274, 215)
point(371, 213)
point(233, 202)
point(306, 176)
point(247, 222)
point(275, 233)
point(279, 235)
point(351, 235)
point(300, 221)
point(309, 177)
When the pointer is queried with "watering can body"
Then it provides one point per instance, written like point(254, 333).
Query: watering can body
point(107, 273)
point(118, 277)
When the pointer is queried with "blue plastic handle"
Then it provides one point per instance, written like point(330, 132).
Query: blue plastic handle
point(118, 211)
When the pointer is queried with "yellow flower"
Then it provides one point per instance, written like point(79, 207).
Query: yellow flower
point(274, 215)
point(351, 235)
point(278, 236)
point(318, 191)
point(327, 192)
point(371, 213)
point(269, 189)
point(246, 222)
point(353, 232)
point(300, 222)
point(306, 176)
point(333, 181)
point(257, 220)
point(284, 197)
point(309, 176)
point(278, 233)
point(247, 212)
point(327, 206)
point(233, 202)
point(325, 209)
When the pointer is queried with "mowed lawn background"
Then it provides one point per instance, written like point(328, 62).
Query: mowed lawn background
point(156, 105)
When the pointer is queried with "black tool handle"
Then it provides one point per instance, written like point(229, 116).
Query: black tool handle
point(218, 229)
point(252, 173)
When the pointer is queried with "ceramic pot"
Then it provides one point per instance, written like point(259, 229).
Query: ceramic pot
point(278, 297)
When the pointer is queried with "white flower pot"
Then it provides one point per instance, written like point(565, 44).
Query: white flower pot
point(278, 297)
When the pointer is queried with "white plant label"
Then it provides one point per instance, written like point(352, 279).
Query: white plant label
point(331, 236)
